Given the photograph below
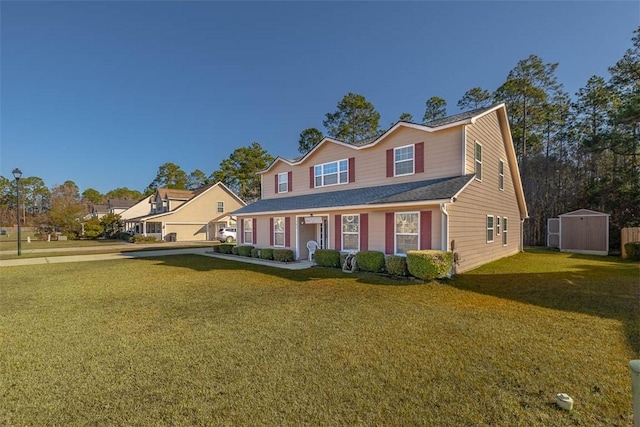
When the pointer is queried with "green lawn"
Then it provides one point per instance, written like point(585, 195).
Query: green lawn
point(192, 340)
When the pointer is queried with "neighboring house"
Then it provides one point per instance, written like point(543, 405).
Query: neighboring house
point(141, 208)
point(118, 206)
point(97, 211)
point(452, 185)
point(187, 215)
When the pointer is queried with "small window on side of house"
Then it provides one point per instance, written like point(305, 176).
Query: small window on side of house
point(505, 228)
point(490, 228)
point(478, 161)
point(220, 207)
point(501, 175)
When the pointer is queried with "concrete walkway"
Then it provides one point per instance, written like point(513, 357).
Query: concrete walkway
point(142, 254)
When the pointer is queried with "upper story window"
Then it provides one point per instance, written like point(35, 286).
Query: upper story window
point(500, 174)
point(220, 207)
point(478, 161)
point(331, 173)
point(403, 160)
point(283, 182)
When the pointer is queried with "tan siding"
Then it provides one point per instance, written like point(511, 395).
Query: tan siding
point(204, 208)
point(468, 214)
point(187, 232)
point(442, 159)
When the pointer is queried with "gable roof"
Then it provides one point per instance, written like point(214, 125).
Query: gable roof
point(432, 190)
point(433, 126)
point(120, 203)
point(195, 194)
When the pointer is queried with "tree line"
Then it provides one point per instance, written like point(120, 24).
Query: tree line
point(573, 152)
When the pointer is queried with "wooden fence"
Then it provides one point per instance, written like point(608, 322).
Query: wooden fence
point(627, 235)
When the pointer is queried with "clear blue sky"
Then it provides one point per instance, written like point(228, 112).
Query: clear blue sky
point(102, 93)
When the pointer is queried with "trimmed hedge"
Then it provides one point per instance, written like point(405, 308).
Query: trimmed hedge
point(283, 255)
point(397, 265)
point(234, 250)
point(372, 261)
point(327, 258)
point(429, 264)
point(266, 253)
point(633, 250)
point(255, 253)
point(226, 248)
point(216, 249)
point(245, 250)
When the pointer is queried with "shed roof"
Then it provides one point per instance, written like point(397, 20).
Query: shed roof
point(585, 212)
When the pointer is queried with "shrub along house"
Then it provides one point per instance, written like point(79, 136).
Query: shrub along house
point(452, 184)
point(187, 215)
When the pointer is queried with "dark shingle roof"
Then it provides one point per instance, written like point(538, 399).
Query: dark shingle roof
point(417, 191)
point(457, 117)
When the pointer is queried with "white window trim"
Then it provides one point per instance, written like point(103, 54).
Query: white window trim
point(505, 229)
point(218, 207)
point(244, 230)
point(395, 231)
point(501, 175)
point(496, 225)
point(322, 175)
point(492, 228)
point(476, 161)
point(286, 182)
point(283, 232)
point(413, 160)
point(349, 232)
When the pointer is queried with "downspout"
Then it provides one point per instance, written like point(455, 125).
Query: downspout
point(522, 234)
point(445, 227)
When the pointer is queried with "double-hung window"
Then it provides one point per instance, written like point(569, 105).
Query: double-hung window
point(220, 207)
point(331, 173)
point(478, 161)
point(248, 230)
point(500, 175)
point(283, 182)
point(497, 225)
point(403, 160)
point(489, 228)
point(350, 232)
point(505, 226)
point(278, 231)
point(407, 232)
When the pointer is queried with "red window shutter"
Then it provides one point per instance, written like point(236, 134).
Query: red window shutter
point(312, 179)
point(255, 230)
point(364, 232)
point(389, 233)
point(287, 231)
point(425, 230)
point(241, 239)
point(290, 181)
point(270, 231)
point(419, 157)
point(390, 162)
point(338, 233)
point(352, 169)
point(276, 184)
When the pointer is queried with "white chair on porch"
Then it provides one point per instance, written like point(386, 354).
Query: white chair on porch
point(312, 245)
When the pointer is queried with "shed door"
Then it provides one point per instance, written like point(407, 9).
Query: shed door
point(553, 233)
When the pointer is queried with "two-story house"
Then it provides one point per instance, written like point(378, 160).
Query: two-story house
point(452, 185)
point(186, 215)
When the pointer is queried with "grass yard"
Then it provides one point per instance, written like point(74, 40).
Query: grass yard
point(190, 340)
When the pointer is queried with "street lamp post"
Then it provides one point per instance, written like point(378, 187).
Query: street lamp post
point(17, 174)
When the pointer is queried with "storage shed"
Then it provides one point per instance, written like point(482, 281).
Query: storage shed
point(582, 231)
